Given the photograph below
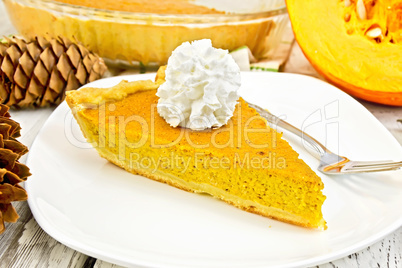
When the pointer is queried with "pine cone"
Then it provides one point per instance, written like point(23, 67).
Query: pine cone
point(38, 72)
point(11, 171)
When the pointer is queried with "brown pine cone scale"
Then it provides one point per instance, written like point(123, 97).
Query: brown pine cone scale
point(12, 172)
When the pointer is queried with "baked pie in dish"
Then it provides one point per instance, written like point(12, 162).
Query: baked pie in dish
point(148, 31)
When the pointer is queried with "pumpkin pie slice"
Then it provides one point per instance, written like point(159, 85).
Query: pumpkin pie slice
point(244, 163)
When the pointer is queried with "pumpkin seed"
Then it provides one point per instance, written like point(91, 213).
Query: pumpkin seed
point(374, 32)
point(361, 10)
point(347, 3)
point(347, 17)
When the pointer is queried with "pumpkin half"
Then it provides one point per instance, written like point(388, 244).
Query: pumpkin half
point(355, 44)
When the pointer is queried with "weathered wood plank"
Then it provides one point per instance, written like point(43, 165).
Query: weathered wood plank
point(25, 244)
point(386, 253)
point(9, 239)
point(103, 264)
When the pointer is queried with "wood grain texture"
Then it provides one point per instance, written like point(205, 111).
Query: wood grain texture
point(25, 244)
point(386, 253)
point(103, 264)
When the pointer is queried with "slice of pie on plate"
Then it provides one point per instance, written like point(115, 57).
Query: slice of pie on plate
point(245, 163)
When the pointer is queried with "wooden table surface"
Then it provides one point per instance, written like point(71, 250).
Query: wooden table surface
point(25, 244)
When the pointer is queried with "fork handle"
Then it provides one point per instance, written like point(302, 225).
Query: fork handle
point(317, 146)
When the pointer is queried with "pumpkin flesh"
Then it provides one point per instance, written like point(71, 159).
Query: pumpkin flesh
point(358, 51)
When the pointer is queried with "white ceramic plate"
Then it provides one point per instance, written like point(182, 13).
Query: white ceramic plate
point(101, 210)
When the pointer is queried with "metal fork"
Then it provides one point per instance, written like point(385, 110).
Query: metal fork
point(330, 163)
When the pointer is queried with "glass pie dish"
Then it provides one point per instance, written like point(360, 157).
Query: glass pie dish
point(133, 37)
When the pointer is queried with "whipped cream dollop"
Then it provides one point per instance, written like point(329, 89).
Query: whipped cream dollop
point(201, 86)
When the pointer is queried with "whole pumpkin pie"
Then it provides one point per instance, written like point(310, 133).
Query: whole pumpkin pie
point(147, 31)
point(244, 163)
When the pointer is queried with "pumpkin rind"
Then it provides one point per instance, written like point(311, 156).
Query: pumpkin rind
point(361, 54)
